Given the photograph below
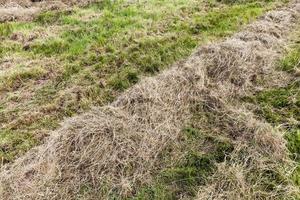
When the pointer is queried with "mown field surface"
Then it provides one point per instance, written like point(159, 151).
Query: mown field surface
point(65, 62)
point(217, 125)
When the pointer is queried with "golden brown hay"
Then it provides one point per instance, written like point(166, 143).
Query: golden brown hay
point(26, 10)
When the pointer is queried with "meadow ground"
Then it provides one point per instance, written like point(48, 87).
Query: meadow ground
point(223, 122)
point(65, 62)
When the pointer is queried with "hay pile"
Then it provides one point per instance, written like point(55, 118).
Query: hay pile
point(113, 150)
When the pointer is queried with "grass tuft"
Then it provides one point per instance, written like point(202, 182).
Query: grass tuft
point(51, 17)
point(18, 77)
point(12, 143)
point(291, 61)
point(5, 29)
point(53, 47)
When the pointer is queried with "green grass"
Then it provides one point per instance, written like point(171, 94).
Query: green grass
point(13, 142)
point(100, 55)
point(53, 47)
point(280, 105)
point(15, 79)
point(5, 29)
point(123, 79)
point(51, 17)
point(291, 61)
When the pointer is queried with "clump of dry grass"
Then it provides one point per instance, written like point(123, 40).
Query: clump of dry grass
point(26, 10)
point(113, 150)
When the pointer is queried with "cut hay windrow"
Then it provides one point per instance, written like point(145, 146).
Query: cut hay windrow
point(114, 150)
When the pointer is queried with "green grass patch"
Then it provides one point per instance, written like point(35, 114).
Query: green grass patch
point(50, 48)
point(220, 23)
point(189, 174)
point(124, 79)
point(5, 29)
point(280, 105)
point(14, 143)
point(291, 61)
point(51, 17)
point(9, 48)
point(293, 138)
point(17, 78)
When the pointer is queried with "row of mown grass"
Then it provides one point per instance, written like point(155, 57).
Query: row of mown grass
point(96, 52)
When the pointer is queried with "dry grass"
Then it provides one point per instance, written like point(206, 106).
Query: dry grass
point(26, 10)
point(113, 150)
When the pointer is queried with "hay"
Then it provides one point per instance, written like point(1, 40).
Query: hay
point(125, 138)
point(113, 150)
point(27, 10)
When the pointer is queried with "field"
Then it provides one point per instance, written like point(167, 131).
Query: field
point(87, 57)
point(159, 99)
